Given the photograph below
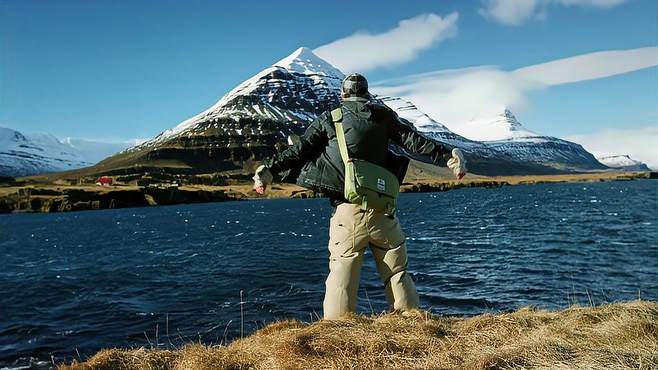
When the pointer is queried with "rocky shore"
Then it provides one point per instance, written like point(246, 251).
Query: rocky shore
point(39, 196)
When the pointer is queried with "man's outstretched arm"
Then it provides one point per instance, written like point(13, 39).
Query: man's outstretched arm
point(311, 143)
point(405, 135)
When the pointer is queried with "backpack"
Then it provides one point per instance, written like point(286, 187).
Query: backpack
point(367, 184)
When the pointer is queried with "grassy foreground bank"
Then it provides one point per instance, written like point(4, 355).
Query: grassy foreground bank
point(614, 336)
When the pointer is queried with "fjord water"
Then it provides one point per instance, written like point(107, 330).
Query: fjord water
point(73, 283)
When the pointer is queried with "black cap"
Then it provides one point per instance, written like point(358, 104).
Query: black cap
point(354, 85)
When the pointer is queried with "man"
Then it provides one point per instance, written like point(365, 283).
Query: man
point(368, 128)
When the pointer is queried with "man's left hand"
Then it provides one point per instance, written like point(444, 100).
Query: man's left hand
point(262, 178)
point(457, 163)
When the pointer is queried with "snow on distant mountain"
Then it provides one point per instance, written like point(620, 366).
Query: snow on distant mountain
point(23, 155)
point(501, 137)
point(248, 122)
point(503, 126)
point(32, 154)
point(410, 112)
point(295, 90)
point(428, 126)
point(623, 162)
point(504, 133)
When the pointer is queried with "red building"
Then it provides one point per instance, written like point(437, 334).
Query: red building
point(104, 181)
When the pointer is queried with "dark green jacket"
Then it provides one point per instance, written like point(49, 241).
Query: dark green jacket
point(369, 129)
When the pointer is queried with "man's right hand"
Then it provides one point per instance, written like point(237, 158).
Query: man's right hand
point(457, 163)
point(262, 178)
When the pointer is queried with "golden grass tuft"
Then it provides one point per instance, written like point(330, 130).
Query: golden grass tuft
point(614, 336)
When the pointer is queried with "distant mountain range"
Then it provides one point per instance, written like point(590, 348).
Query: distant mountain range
point(253, 121)
point(247, 123)
point(623, 162)
point(32, 154)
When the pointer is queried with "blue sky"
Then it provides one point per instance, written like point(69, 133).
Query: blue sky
point(129, 69)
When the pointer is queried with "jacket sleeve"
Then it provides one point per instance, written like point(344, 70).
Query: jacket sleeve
point(311, 145)
point(404, 134)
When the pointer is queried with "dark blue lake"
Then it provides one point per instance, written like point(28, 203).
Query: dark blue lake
point(72, 283)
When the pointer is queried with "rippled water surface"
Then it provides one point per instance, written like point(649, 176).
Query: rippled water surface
point(72, 283)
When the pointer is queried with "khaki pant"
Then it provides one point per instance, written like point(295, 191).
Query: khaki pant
point(350, 232)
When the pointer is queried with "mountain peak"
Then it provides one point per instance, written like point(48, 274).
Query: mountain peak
point(295, 89)
point(501, 125)
point(509, 115)
point(303, 52)
point(622, 161)
point(305, 61)
point(509, 118)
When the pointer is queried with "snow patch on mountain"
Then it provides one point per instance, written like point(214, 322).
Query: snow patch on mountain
point(36, 153)
point(410, 112)
point(29, 154)
point(502, 126)
point(624, 162)
point(304, 61)
point(428, 126)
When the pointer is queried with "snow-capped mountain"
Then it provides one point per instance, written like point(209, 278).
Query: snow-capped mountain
point(293, 90)
point(502, 139)
point(254, 118)
point(245, 124)
point(501, 126)
point(37, 153)
point(623, 162)
point(436, 130)
point(504, 133)
point(425, 124)
point(24, 155)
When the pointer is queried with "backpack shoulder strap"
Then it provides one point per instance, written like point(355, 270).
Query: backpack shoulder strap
point(337, 117)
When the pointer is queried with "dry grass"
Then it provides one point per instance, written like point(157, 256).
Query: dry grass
point(615, 336)
point(534, 179)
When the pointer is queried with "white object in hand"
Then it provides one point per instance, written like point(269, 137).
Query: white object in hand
point(262, 178)
point(457, 163)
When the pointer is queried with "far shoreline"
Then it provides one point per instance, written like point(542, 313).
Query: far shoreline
point(46, 197)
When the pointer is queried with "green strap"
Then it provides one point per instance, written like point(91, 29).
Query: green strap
point(337, 117)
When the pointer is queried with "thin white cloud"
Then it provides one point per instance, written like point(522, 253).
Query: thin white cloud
point(517, 12)
point(640, 143)
point(364, 51)
point(590, 66)
point(455, 97)
point(595, 3)
point(509, 12)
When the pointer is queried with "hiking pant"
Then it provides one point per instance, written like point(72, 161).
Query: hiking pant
point(351, 230)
